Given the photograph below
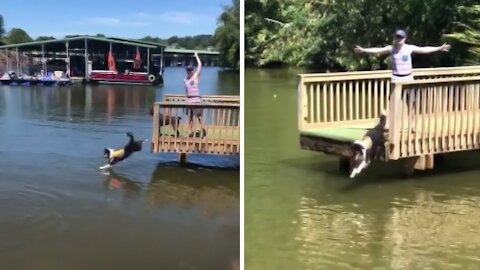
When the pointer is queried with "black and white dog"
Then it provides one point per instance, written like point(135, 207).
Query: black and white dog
point(369, 148)
point(116, 155)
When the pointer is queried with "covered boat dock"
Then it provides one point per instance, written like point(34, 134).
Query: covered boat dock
point(78, 56)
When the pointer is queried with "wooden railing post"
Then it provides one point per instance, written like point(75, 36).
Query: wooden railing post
point(156, 127)
point(394, 120)
point(302, 103)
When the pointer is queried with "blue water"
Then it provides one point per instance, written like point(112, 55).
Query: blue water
point(58, 211)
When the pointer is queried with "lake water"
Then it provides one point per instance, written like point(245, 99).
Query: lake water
point(58, 211)
point(301, 213)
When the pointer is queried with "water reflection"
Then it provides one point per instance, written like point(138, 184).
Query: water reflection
point(195, 187)
point(209, 190)
point(427, 229)
point(76, 103)
point(61, 212)
point(115, 181)
point(301, 213)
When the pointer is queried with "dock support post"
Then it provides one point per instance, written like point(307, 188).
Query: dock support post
point(424, 162)
point(67, 59)
point(183, 158)
point(44, 61)
point(18, 61)
point(148, 60)
point(429, 161)
point(86, 60)
point(8, 60)
point(161, 60)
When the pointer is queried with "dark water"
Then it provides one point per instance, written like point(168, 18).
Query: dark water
point(57, 211)
point(300, 213)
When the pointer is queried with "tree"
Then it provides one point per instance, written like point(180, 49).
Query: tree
point(17, 35)
point(321, 34)
point(199, 42)
point(100, 35)
point(227, 36)
point(2, 29)
point(41, 38)
point(467, 32)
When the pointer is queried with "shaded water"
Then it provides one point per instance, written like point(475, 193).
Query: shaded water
point(301, 213)
point(58, 211)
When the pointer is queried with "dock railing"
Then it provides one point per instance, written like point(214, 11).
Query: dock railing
point(346, 98)
point(434, 116)
point(205, 98)
point(219, 133)
point(438, 112)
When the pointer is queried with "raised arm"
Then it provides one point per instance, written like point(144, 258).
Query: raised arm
point(199, 66)
point(425, 50)
point(377, 50)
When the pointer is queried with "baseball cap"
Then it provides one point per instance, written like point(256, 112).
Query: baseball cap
point(401, 33)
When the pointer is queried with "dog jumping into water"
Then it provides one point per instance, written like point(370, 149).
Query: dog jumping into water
point(369, 147)
point(114, 156)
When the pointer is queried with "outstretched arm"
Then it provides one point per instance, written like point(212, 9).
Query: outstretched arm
point(425, 50)
point(378, 50)
point(199, 66)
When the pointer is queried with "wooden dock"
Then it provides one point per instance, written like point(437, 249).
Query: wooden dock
point(335, 109)
point(221, 123)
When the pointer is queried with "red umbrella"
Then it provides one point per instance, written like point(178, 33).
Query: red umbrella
point(136, 64)
point(111, 62)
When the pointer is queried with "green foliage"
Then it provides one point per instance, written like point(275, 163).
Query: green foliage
point(2, 29)
point(467, 32)
point(41, 38)
point(199, 42)
point(227, 36)
point(322, 34)
point(17, 35)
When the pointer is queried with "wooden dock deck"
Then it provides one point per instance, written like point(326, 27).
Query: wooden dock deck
point(437, 113)
point(219, 134)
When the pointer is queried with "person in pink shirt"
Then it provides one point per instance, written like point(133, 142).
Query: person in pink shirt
point(193, 95)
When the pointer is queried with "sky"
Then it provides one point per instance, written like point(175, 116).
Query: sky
point(121, 18)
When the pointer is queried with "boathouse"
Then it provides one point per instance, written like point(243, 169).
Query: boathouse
point(79, 55)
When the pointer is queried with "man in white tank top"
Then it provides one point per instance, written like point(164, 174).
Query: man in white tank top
point(401, 57)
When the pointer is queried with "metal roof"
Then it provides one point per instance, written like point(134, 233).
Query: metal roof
point(173, 50)
point(139, 41)
point(131, 42)
point(113, 40)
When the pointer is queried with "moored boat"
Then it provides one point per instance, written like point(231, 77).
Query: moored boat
point(127, 77)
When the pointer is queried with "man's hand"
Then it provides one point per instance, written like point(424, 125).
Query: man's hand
point(445, 47)
point(195, 54)
point(358, 49)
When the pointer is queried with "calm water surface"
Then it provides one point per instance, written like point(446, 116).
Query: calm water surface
point(57, 211)
point(302, 214)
